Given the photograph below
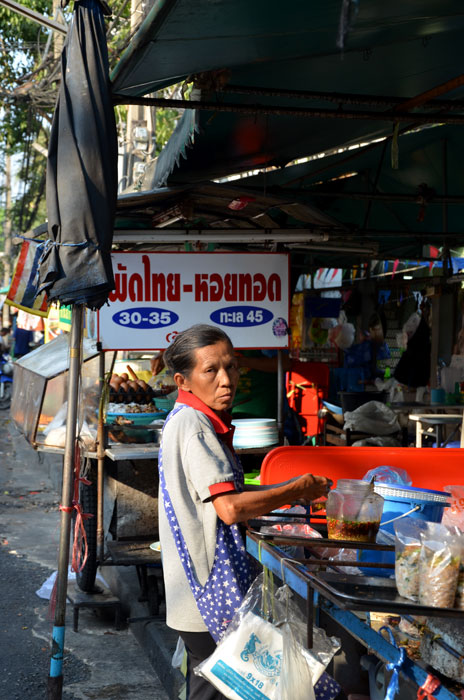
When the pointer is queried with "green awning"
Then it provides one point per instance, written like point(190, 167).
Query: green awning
point(399, 49)
point(403, 209)
point(183, 37)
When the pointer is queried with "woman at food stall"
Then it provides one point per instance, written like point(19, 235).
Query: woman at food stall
point(205, 565)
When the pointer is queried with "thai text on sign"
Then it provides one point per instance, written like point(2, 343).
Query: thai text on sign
point(159, 294)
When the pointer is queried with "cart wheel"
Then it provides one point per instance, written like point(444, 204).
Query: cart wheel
point(85, 579)
point(5, 401)
point(153, 596)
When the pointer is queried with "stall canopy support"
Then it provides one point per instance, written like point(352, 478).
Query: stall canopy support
point(55, 679)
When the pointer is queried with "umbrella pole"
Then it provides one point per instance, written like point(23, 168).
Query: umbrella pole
point(55, 679)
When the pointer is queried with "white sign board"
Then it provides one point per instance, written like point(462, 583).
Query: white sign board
point(158, 295)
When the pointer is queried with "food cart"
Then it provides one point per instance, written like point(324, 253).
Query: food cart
point(349, 600)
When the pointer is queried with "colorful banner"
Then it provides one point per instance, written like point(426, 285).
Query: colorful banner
point(23, 285)
point(65, 317)
point(158, 295)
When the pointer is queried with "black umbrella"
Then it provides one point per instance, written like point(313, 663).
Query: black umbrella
point(75, 267)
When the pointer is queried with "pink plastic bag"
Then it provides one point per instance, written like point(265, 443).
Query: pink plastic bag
point(454, 515)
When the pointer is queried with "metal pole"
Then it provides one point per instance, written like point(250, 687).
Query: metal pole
point(100, 463)
point(34, 16)
point(255, 109)
point(340, 98)
point(280, 396)
point(55, 679)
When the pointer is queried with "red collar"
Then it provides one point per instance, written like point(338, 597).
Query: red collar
point(222, 427)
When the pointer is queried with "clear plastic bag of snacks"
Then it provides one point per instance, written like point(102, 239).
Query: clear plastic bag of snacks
point(459, 600)
point(407, 554)
point(454, 515)
point(439, 562)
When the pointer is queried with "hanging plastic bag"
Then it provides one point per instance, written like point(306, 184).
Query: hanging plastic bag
point(296, 673)
point(439, 566)
point(407, 554)
point(454, 515)
point(300, 663)
point(342, 335)
point(250, 655)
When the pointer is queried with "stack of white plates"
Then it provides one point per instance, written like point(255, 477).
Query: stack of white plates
point(255, 432)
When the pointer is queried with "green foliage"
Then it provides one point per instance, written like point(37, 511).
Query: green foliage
point(166, 120)
point(29, 79)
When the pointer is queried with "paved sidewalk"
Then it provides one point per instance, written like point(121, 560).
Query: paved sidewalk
point(100, 662)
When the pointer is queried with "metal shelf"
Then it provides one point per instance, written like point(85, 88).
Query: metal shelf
point(339, 603)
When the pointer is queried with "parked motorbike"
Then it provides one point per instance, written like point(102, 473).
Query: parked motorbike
point(6, 380)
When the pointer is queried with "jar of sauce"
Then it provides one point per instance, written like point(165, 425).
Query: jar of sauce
point(354, 511)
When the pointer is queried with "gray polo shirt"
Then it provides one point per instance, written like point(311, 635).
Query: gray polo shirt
point(193, 460)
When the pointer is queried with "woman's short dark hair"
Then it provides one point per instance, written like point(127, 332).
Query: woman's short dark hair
point(180, 355)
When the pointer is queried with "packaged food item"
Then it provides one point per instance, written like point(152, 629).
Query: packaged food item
point(454, 515)
point(439, 566)
point(407, 554)
point(459, 600)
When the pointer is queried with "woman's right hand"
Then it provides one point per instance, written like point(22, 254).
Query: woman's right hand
point(311, 487)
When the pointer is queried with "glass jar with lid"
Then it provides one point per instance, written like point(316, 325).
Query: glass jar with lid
point(354, 511)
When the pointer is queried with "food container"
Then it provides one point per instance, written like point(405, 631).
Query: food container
point(407, 554)
point(353, 511)
point(404, 502)
point(401, 501)
point(439, 562)
point(459, 600)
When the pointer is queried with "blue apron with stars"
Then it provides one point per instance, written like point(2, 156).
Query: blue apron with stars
point(231, 575)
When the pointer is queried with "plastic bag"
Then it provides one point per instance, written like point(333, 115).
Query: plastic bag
point(292, 528)
point(384, 441)
point(389, 475)
point(438, 566)
point(57, 436)
point(58, 420)
point(407, 554)
point(251, 654)
point(178, 656)
point(372, 417)
point(296, 527)
point(297, 658)
point(459, 599)
point(454, 515)
point(343, 555)
point(342, 335)
point(412, 324)
point(395, 392)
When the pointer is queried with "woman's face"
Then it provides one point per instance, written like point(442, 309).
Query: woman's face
point(214, 377)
